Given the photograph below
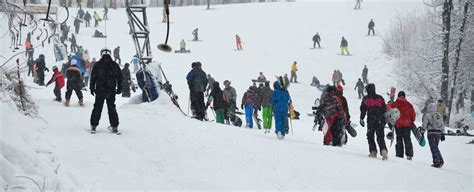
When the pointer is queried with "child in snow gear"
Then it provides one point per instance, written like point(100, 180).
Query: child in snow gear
point(126, 81)
point(197, 81)
point(332, 108)
point(106, 81)
point(218, 101)
point(74, 80)
point(360, 88)
point(373, 105)
point(40, 68)
point(210, 84)
point(195, 34)
point(344, 46)
point(433, 123)
point(280, 100)
point(58, 78)
point(265, 101)
point(294, 69)
point(238, 42)
point(316, 40)
point(365, 72)
point(403, 126)
point(371, 27)
point(117, 55)
point(248, 103)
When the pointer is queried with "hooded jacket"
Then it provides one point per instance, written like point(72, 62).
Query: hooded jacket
point(280, 99)
point(407, 113)
point(373, 105)
point(106, 76)
point(249, 98)
point(433, 121)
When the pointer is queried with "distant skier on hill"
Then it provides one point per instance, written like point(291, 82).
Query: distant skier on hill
point(316, 40)
point(197, 81)
point(106, 11)
point(294, 69)
point(357, 6)
point(365, 72)
point(344, 46)
point(117, 55)
point(87, 18)
point(74, 46)
point(196, 34)
point(80, 13)
point(371, 27)
point(360, 88)
point(238, 42)
point(280, 101)
point(182, 46)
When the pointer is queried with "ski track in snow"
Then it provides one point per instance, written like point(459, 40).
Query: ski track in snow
point(161, 149)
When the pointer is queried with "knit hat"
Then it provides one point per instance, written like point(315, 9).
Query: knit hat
point(401, 94)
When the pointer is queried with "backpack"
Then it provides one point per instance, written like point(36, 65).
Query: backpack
point(436, 122)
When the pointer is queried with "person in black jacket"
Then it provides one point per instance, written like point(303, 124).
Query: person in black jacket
point(87, 18)
point(105, 82)
point(316, 39)
point(40, 68)
point(126, 80)
point(117, 55)
point(197, 82)
point(218, 101)
point(74, 80)
point(74, 46)
point(77, 25)
point(371, 27)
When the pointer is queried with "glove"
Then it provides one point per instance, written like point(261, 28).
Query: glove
point(390, 135)
point(242, 106)
point(362, 123)
point(118, 91)
point(442, 137)
point(92, 91)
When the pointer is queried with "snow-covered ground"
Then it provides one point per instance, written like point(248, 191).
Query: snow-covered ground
point(162, 149)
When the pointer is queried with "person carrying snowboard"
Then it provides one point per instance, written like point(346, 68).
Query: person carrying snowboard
point(248, 104)
point(218, 102)
point(40, 68)
point(373, 105)
point(117, 55)
point(126, 81)
point(316, 40)
point(360, 88)
point(238, 42)
point(265, 101)
point(333, 112)
point(280, 101)
point(365, 72)
point(195, 34)
point(344, 46)
point(197, 82)
point(403, 126)
point(371, 27)
point(87, 18)
point(294, 69)
point(433, 123)
point(105, 82)
point(58, 79)
point(74, 81)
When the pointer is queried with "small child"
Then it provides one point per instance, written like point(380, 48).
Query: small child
point(433, 123)
point(58, 78)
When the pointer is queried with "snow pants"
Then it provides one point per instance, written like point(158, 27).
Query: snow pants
point(267, 117)
point(314, 44)
point(197, 104)
point(280, 122)
point(403, 142)
point(293, 77)
point(344, 49)
point(73, 86)
point(219, 115)
point(57, 93)
point(125, 89)
point(99, 104)
point(433, 140)
point(361, 94)
point(249, 115)
point(40, 74)
point(376, 128)
point(373, 31)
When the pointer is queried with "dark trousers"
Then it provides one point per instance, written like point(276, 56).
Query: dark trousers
point(403, 139)
point(197, 104)
point(99, 104)
point(433, 140)
point(316, 42)
point(376, 128)
point(40, 74)
point(88, 23)
point(119, 60)
point(76, 88)
point(293, 77)
point(361, 94)
point(337, 132)
point(57, 93)
point(373, 31)
point(73, 48)
point(365, 80)
point(125, 89)
point(30, 70)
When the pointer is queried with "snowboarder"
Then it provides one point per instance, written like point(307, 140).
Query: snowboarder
point(231, 95)
point(265, 101)
point(360, 88)
point(77, 25)
point(293, 78)
point(403, 126)
point(261, 77)
point(106, 11)
point(344, 46)
point(74, 46)
point(210, 84)
point(74, 79)
point(365, 72)
point(195, 34)
point(117, 55)
point(126, 80)
point(316, 40)
point(371, 27)
point(248, 104)
point(87, 18)
point(40, 68)
point(357, 6)
point(96, 19)
point(58, 79)
point(441, 109)
point(197, 82)
point(433, 123)
point(106, 81)
point(373, 105)
point(182, 46)
point(218, 101)
point(332, 109)
point(97, 33)
point(238, 42)
point(280, 101)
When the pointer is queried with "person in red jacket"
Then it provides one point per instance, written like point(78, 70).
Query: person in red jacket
point(403, 126)
point(238, 42)
point(58, 78)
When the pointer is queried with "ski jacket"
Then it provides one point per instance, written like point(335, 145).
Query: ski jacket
point(230, 94)
point(344, 43)
point(280, 99)
point(197, 80)
point(79, 64)
point(87, 16)
point(217, 97)
point(371, 24)
point(106, 76)
point(359, 86)
point(331, 105)
point(58, 78)
point(316, 38)
point(249, 98)
point(407, 113)
point(372, 105)
point(41, 65)
point(74, 77)
point(432, 120)
point(294, 68)
point(265, 99)
point(126, 75)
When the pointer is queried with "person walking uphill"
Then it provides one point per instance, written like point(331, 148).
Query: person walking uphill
point(74, 81)
point(373, 105)
point(403, 126)
point(197, 82)
point(365, 72)
point(58, 78)
point(280, 101)
point(433, 123)
point(117, 55)
point(265, 101)
point(360, 88)
point(333, 111)
point(218, 101)
point(371, 27)
point(294, 69)
point(249, 101)
point(105, 82)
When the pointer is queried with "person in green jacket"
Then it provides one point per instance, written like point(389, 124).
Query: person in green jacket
point(265, 101)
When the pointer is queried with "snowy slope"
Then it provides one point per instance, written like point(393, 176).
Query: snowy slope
point(161, 149)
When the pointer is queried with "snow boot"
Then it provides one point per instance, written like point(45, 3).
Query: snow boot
point(280, 136)
point(93, 127)
point(373, 154)
point(409, 158)
point(437, 165)
point(81, 103)
point(384, 154)
point(114, 130)
point(66, 103)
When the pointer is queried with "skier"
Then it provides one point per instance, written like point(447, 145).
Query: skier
point(40, 68)
point(195, 34)
point(280, 101)
point(231, 95)
point(105, 82)
point(87, 18)
point(316, 40)
point(117, 55)
point(344, 45)
point(238, 42)
point(248, 104)
point(403, 126)
point(135, 63)
point(371, 27)
point(197, 82)
point(77, 25)
point(357, 6)
point(126, 80)
point(365, 72)
point(182, 46)
point(441, 109)
point(433, 123)
point(261, 77)
point(392, 94)
point(74, 46)
point(373, 105)
point(74, 80)
point(210, 84)
point(58, 79)
point(218, 101)
point(360, 88)
point(333, 112)
point(106, 11)
point(293, 73)
point(80, 13)
point(265, 100)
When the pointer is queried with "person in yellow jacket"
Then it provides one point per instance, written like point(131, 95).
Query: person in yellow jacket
point(293, 73)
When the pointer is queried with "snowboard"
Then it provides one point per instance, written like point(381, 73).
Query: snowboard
point(350, 129)
point(185, 51)
point(258, 121)
point(99, 36)
point(418, 135)
point(317, 48)
point(344, 54)
point(259, 81)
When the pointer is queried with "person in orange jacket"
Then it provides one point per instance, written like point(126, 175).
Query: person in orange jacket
point(403, 126)
point(293, 73)
point(238, 42)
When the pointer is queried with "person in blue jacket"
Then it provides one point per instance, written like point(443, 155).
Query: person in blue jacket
point(197, 82)
point(151, 87)
point(280, 101)
point(79, 64)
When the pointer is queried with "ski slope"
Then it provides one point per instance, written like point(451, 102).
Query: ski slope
point(160, 149)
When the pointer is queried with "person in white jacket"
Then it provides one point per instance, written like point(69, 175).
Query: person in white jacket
point(433, 123)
